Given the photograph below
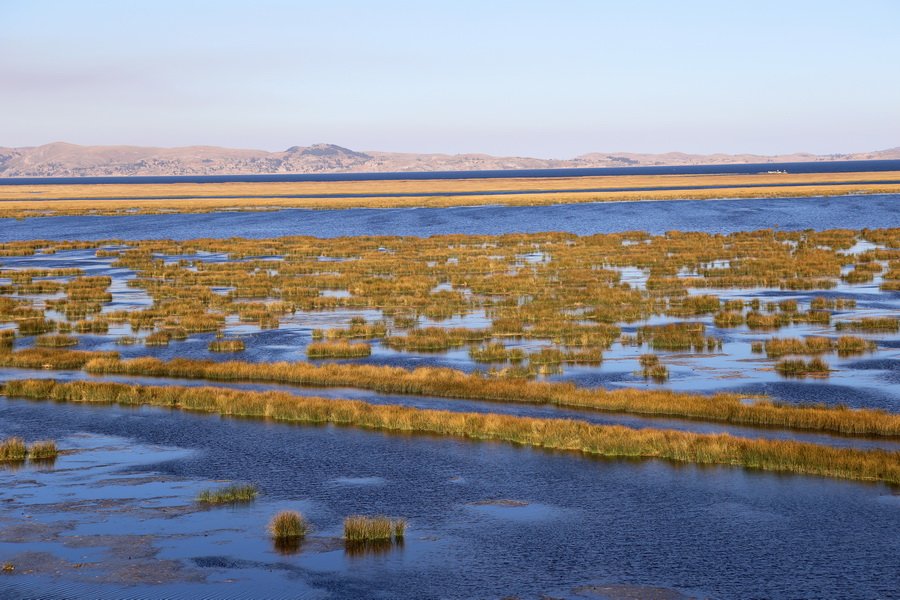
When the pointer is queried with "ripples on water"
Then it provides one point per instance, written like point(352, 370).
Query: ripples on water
point(655, 217)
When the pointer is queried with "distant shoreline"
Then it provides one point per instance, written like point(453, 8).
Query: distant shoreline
point(804, 167)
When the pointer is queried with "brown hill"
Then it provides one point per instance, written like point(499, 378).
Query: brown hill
point(71, 160)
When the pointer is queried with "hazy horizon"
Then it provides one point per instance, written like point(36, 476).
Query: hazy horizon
point(510, 79)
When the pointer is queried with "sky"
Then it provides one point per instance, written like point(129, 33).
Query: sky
point(551, 79)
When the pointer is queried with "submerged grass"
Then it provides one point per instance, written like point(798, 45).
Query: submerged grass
point(556, 434)
point(231, 494)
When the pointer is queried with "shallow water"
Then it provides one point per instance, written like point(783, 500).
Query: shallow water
point(705, 532)
point(655, 217)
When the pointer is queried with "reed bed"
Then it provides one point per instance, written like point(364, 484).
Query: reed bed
point(362, 529)
point(651, 368)
point(43, 450)
point(449, 383)
point(791, 367)
point(227, 345)
point(553, 434)
point(13, 449)
point(846, 345)
point(44, 358)
point(55, 341)
point(878, 324)
point(232, 494)
point(7, 338)
point(496, 352)
point(340, 349)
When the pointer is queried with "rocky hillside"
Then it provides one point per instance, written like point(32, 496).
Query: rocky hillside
point(68, 160)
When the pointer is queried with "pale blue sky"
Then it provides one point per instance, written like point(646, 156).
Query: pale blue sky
point(548, 79)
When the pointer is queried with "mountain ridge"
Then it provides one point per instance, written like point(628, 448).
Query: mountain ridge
point(63, 159)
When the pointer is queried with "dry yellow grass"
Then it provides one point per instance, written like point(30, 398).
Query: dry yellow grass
point(19, 201)
point(553, 434)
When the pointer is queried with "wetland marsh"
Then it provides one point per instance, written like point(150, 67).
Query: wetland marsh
point(653, 394)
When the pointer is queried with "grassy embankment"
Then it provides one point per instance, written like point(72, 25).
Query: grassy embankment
point(552, 434)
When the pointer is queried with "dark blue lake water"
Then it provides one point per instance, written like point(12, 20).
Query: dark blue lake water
point(723, 216)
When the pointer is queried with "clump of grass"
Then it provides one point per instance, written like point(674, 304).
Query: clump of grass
point(227, 345)
point(43, 450)
point(8, 567)
point(653, 369)
point(231, 494)
point(777, 347)
point(800, 368)
point(340, 349)
point(870, 324)
point(496, 352)
point(55, 341)
point(757, 347)
point(288, 525)
point(127, 340)
point(13, 449)
point(158, 338)
point(678, 336)
point(362, 529)
point(848, 345)
point(728, 318)
point(7, 337)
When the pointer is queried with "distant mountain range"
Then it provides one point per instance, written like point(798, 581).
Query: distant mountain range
point(71, 160)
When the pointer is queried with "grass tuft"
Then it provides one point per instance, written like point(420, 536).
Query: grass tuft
point(13, 449)
point(288, 525)
point(231, 494)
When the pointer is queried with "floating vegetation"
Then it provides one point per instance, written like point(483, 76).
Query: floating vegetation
point(158, 338)
point(496, 352)
point(43, 358)
point(55, 341)
point(651, 368)
point(846, 345)
point(341, 349)
point(227, 345)
point(677, 336)
point(796, 367)
point(232, 494)
point(890, 324)
point(361, 529)
point(555, 434)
